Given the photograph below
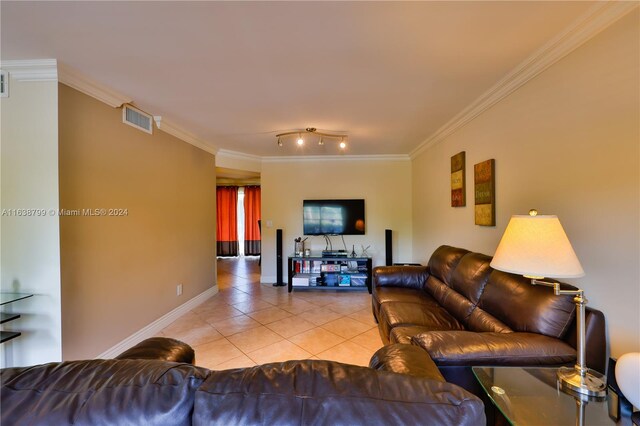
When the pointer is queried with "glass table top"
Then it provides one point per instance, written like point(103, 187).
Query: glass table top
point(12, 297)
point(531, 396)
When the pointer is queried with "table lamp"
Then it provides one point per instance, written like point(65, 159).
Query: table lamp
point(537, 247)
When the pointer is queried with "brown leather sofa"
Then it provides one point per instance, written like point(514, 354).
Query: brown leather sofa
point(464, 313)
point(154, 384)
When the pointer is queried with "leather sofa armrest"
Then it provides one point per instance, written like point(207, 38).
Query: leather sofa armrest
point(405, 359)
point(511, 349)
point(400, 276)
point(160, 348)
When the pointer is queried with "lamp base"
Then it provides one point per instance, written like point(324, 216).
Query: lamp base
point(592, 383)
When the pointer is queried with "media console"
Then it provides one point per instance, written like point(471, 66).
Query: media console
point(329, 273)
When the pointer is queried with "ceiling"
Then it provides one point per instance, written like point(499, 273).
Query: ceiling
point(234, 74)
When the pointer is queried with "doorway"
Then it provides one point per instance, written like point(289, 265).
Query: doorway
point(238, 214)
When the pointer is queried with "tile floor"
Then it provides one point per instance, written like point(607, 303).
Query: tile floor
point(249, 323)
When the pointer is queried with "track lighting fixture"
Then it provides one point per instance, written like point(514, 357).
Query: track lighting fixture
point(313, 130)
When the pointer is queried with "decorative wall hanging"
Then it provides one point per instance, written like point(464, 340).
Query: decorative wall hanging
point(485, 209)
point(458, 187)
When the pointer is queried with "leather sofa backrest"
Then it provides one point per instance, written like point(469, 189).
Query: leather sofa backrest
point(470, 276)
point(484, 299)
point(100, 392)
point(469, 279)
point(524, 307)
point(443, 261)
point(323, 392)
point(466, 274)
point(455, 303)
point(442, 265)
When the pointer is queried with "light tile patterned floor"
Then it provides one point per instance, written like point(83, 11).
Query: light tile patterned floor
point(247, 323)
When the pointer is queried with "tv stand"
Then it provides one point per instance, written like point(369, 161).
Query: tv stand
point(329, 272)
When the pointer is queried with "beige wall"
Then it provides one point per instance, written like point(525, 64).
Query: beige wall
point(30, 256)
point(383, 184)
point(120, 273)
point(566, 143)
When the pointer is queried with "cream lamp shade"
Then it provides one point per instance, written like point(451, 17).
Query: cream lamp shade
point(536, 247)
point(628, 377)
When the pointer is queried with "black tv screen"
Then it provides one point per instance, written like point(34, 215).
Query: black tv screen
point(333, 217)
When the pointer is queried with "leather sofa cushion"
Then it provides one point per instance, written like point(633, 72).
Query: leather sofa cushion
point(405, 359)
point(100, 392)
point(470, 348)
point(322, 392)
point(471, 275)
point(393, 314)
point(444, 260)
point(524, 307)
point(160, 348)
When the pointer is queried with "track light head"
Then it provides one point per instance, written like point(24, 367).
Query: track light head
point(300, 140)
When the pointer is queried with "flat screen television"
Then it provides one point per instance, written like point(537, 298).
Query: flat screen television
point(333, 217)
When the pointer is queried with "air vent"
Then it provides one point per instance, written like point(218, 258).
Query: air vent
point(138, 119)
point(4, 84)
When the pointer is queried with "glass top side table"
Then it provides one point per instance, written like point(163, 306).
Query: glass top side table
point(530, 396)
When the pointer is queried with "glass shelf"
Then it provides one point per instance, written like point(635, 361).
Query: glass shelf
point(6, 298)
point(4, 317)
point(5, 336)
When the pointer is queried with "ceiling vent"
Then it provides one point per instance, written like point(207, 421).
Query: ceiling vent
point(138, 119)
point(4, 84)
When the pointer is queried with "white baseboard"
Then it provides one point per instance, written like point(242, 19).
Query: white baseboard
point(155, 327)
point(265, 279)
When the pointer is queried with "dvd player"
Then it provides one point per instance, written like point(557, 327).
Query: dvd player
point(334, 253)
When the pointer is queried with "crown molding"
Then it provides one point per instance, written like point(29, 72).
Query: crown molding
point(115, 99)
point(82, 83)
point(236, 155)
point(596, 19)
point(236, 182)
point(32, 69)
point(174, 130)
point(322, 158)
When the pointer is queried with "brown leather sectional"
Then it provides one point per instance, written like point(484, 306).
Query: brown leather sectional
point(464, 313)
point(154, 384)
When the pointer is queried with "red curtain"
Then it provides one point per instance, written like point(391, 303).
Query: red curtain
point(251, 217)
point(227, 235)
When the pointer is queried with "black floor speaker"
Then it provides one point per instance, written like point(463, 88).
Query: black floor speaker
point(279, 281)
point(388, 251)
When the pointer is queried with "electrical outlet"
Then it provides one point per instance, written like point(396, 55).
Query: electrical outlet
point(179, 289)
